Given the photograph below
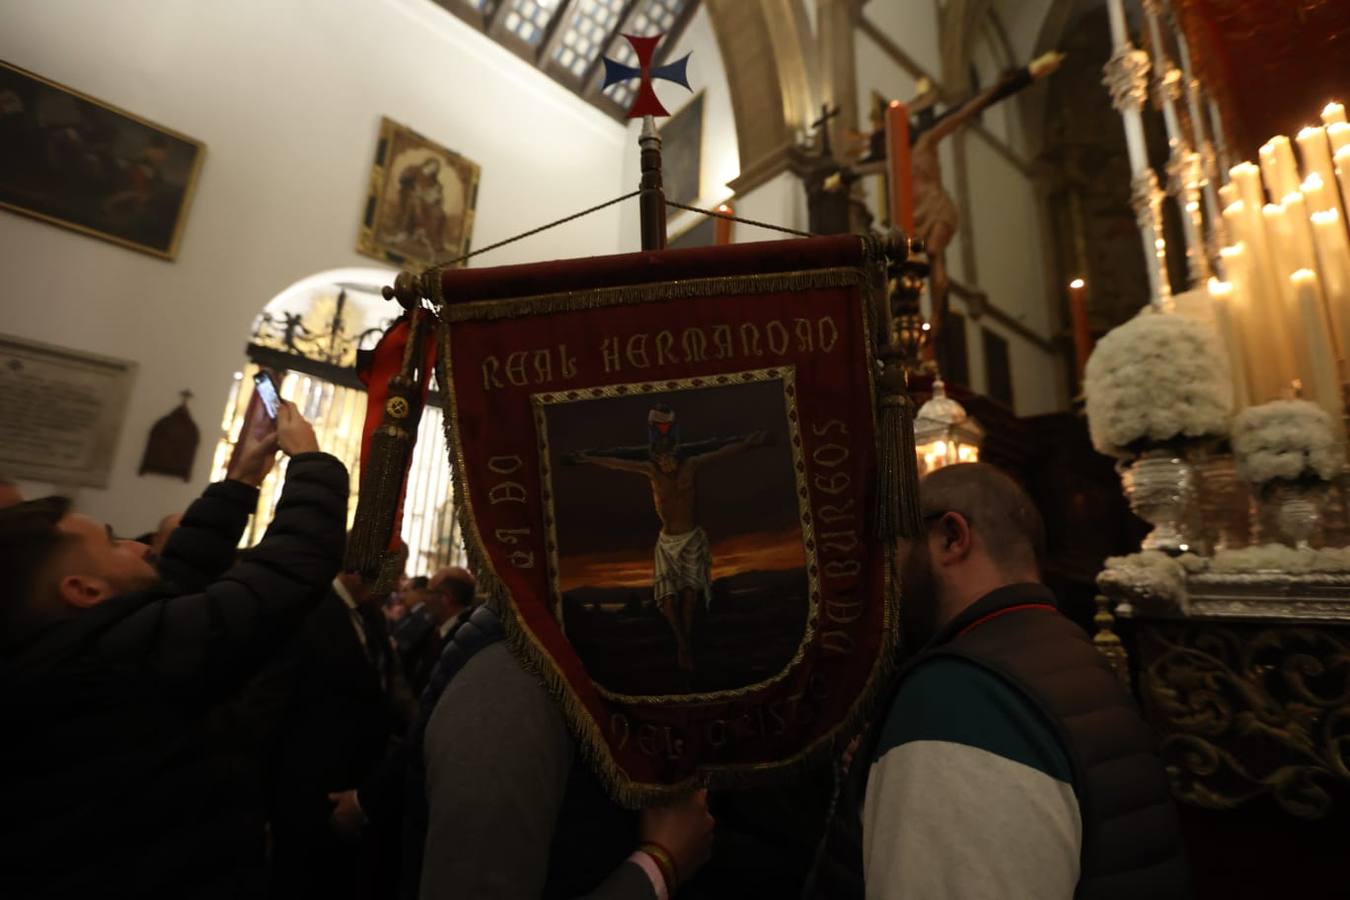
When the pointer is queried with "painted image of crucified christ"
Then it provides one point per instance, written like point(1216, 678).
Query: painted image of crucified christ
point(682, 559)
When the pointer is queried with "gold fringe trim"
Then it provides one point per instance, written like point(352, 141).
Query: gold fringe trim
point(598, 298)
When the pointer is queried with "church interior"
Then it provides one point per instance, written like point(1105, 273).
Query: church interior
point(200, 198)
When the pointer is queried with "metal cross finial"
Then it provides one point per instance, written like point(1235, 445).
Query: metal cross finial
point(826, 114)
point(186, 395)
point(646, 103)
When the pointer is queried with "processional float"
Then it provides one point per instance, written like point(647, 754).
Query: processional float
point(680, 476)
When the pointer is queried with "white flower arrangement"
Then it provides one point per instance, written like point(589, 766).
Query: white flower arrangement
point(1286, 439)
point(1279, 558)
point(1155, 379)
point(1150, 574)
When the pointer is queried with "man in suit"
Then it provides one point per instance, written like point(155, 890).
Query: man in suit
point(432, 613)
point(329, 714)
point(113, 784)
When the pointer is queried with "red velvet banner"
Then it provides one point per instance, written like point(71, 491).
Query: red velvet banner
point(666, 461)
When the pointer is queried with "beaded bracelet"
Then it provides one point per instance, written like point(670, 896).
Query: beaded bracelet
point(665, 861)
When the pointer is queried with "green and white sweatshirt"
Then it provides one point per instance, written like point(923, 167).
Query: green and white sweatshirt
point(970, 794)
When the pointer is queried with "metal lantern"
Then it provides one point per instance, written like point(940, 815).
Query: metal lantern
point(944, 433)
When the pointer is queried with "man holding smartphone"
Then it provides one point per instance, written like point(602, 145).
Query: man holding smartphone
point(110, 669)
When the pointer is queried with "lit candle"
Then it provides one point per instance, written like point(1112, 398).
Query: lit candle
point(1300, 231)
point(1333, 114)
point(1333, 253)
point(1338, 135)
point(1221, 297)
point(1278, 166)
point(1312, 146)
point(897, 149)
point(1082, 332)
point(1280, 240)
point(1247, 179)
point(1318, 371)
point(722, 227)
point(1284, 261)
point(1269, 354)
point(1343, 174)
point(1315, 193)
point(1266, 286)
point(1233, 221)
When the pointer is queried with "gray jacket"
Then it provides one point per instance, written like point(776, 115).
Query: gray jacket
point(498, 760)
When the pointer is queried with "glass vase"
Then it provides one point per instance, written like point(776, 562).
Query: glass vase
point(1224, 502)
point(1294, 509)
point(1160, 485)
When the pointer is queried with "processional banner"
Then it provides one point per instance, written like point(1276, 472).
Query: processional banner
point(666, 463)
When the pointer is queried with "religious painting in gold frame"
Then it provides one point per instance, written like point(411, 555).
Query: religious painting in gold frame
point(736, 445)
point(420, 205)
point(73, 160)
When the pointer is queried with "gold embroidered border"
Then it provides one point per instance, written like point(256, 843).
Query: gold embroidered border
point(788, 376)
point(598, 298)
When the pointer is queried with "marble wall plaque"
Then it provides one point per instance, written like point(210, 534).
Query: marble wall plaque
point(62, 411)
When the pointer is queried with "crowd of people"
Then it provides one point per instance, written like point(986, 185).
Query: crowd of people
point(187, 720)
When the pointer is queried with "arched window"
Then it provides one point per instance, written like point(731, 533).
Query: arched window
point(309, 335)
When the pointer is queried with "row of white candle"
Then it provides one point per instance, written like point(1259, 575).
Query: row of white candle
point(1284, 309)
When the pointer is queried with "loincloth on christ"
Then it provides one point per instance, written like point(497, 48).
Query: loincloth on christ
point(683, 561)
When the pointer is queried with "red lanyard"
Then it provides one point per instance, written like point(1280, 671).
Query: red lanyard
point(1003, 612)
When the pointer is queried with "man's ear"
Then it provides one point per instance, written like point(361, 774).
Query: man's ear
point(954, 538)
point(82, 591)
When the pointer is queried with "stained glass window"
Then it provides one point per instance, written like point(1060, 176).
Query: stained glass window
point(528, 19)
point(588, 25)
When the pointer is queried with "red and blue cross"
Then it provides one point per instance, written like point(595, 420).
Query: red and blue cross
point(647, 103)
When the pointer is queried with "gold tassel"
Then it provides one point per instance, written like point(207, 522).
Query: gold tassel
point(897, 497)
point(383, 474)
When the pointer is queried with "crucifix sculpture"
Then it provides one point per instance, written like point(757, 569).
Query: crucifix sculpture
point(936, 218)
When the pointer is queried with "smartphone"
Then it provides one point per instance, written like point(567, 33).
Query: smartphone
point(267, 392)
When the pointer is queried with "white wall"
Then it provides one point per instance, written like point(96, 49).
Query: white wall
point(1023, 20)
point(913, 24)
point(779, 201)
point(1009, 247)
point(287, 97)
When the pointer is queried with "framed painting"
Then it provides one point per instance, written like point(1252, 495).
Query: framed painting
point(420, 207)
point(682, 154)
point(616, 566)
point(75, 161)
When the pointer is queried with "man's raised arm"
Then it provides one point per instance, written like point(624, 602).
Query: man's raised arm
point(210, 642)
